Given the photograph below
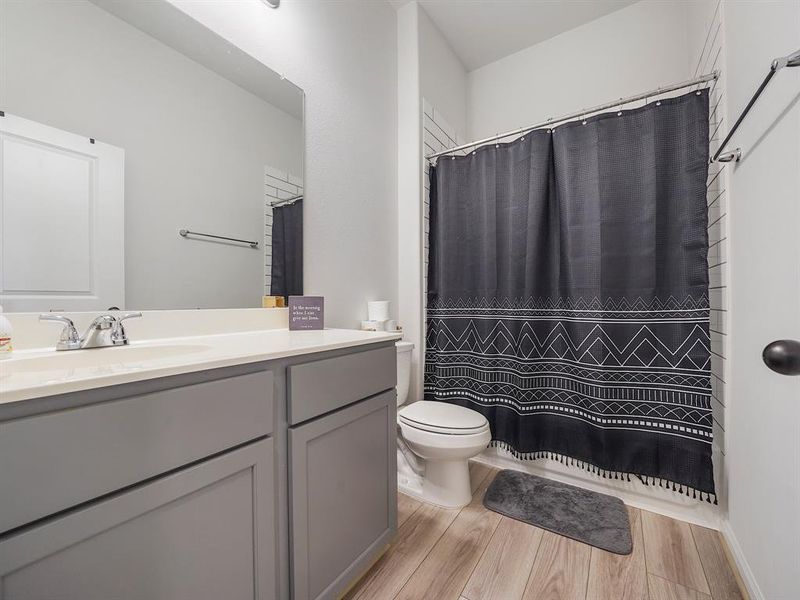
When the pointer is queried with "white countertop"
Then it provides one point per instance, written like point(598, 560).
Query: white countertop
point(44, 372)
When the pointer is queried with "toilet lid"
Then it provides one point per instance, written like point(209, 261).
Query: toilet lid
point(442, 417)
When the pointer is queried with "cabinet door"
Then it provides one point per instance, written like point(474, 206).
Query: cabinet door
point(343, 483)
point(205, 532)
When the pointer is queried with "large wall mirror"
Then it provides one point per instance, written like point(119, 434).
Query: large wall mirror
point(146, 163)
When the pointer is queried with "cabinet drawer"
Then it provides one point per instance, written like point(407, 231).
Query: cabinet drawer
point(319, 387)
point(202, 533)
point(52, 462)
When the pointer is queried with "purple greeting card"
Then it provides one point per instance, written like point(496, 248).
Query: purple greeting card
point(306, 312)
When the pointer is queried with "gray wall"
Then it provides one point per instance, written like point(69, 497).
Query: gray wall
point(196, 145)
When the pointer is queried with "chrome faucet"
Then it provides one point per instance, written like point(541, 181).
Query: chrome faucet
point(106, 330)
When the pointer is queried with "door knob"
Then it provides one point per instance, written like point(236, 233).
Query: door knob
point(783, 356)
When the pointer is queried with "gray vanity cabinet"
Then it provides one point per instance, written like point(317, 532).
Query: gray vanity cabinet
point(343, 490)
point(203, 532)
point(270, 480)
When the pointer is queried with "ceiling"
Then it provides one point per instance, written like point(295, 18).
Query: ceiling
point(483, 31)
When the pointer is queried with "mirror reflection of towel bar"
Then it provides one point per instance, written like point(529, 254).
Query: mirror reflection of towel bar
point(186, 232)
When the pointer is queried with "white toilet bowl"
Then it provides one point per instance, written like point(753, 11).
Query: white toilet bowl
point(442, 437)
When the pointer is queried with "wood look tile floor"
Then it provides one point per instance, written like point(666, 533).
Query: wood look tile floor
point(476, 554)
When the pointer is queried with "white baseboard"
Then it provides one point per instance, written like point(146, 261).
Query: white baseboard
point(633, 493)
point(741, 562)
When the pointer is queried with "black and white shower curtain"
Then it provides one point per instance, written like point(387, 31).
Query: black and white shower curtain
point(568, 293)
point(287, 250)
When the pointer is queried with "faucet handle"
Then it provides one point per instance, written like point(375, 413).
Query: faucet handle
point(70, 339)
point(128, 315)
point(119, 335)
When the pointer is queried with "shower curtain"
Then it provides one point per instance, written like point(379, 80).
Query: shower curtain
point(287, 250)
point(568, 293)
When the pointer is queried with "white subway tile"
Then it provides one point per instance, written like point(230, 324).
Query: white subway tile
point(718, 275)
point(719, 436)
point(281, 185)
point(718, 343)
point(718, 388)
point(718, 366)
point(295, 180)
point(719, 412)
point(276, 173)
point(718, 298)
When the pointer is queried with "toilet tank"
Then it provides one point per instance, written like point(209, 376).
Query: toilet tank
point(403, 370)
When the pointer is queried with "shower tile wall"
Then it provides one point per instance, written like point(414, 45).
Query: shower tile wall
point(437, 135)
point(278, 185)
point(710, 58)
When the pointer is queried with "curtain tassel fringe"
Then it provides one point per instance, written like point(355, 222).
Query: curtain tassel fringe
point(647, 480)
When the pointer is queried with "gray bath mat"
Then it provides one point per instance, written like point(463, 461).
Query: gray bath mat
point(595, 519)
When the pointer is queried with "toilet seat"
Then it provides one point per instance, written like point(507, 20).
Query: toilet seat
point(442, 418)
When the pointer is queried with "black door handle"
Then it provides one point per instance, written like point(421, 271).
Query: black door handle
point(783, 356)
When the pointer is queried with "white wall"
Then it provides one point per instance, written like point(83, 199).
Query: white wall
point(443, 78)
point(428, 71)
point(409, 172)
point(637, 48)
point(343, 54)
point(763, 435)
point(195, 145)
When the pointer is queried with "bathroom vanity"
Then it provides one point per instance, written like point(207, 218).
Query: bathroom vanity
point(250, 465)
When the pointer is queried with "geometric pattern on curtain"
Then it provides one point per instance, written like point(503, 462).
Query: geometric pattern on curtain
point(568, 293)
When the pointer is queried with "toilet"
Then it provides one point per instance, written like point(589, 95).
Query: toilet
point(435, 442)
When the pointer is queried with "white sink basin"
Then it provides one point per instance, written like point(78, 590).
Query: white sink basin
point(102, 359)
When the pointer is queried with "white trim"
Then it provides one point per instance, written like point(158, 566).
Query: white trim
point(742, 565)
point(633, 493)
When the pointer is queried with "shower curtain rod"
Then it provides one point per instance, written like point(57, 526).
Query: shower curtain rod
point(286, 201)
point(582, 113)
